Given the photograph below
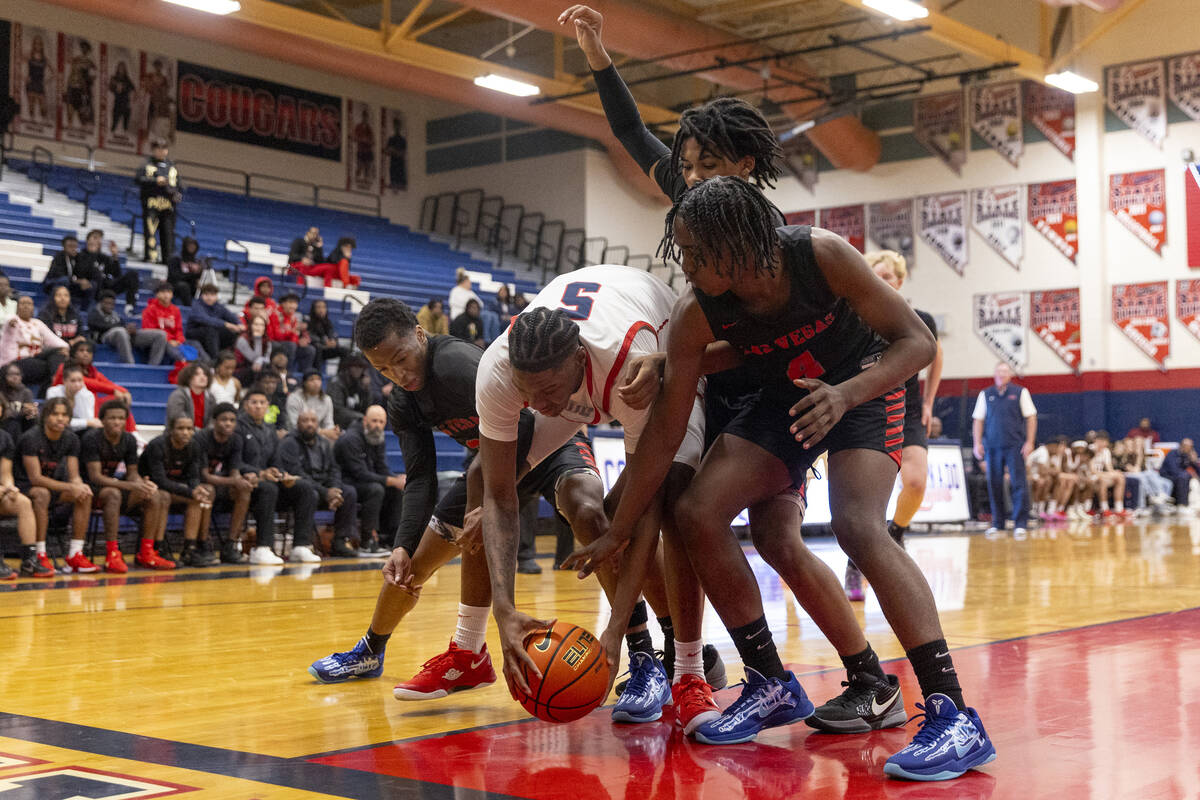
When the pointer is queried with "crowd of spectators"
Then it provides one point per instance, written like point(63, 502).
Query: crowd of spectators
point(465, 315)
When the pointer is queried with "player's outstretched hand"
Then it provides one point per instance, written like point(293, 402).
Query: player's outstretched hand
point(514, 628)
point(588, 559)
point(821, 409)
point(397, 571)
point(589, 26)
point(611, 640)
point(471, 538)
point(645, 379)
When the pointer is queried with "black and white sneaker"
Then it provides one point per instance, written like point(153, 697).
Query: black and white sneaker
point(867, 704)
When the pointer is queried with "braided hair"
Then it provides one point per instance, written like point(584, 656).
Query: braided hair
point(731, 222)
point(734, 129)
point(380, 317)
point(541, 339)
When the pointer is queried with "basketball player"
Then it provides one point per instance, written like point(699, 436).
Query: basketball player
point(802, 307)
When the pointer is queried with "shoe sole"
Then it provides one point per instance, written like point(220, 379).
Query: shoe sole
point(896, 719)
point(698, 720)
point(945, 775)
point(409, 694)
point(313, 672)
point(625, 716)
point(751, 737)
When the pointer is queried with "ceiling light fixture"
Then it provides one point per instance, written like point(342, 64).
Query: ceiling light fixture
point(1071, 82)
point(499, 83)
point(211, 6)
point(903, 10)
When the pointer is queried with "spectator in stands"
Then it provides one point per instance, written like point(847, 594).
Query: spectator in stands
point(69, 270)
point(323, 335)
point(276, 414)
point(520, 301)
point(306, 453)
point(1149, 488)
point(109, 455)
point(173, 461)
point(469, 325)
point(461, 293)
point(225, 387)
point(276, 489)
point(83, 402)
point(1077, 461)
point(309, 246)
point(48, 473)
point(351, 391)
point(161, 314)
point(108, 269)
point(310, 396)
point(20, 411)
point(221, 468)
point(1042, 467)
point(1005, 429)
point(191, 398)
point(159, 182)
point(362, 456)
point(432, 317)
point(502, 304)
point(287, 330)
point(211, 324)
point(106, 326)
point(83, 355)
point(1145, 432)
point(279, 365)
point(185, 269)
point(338, 268)
point(15, 504)
point(1179, 467)
point(1107, 478)
point(264, 288)
point(62, 317)
point(253, 350)
point(8, 303)
point(36, 349)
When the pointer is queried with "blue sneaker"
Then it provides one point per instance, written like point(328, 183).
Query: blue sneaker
point(949, 743)
point(357, 663)
point(646, 693)
point(764, 703)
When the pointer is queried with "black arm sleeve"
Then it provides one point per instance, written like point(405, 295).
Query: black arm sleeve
point(625, 121)
point(421, 490)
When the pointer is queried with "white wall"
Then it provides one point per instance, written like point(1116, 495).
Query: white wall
point(618, 211)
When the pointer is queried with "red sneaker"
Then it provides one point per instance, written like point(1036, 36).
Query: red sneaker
point(455, 670)
point(40, 567)
point(694, 704)
point(115, 563)
point(152, 560)
point(80, 565)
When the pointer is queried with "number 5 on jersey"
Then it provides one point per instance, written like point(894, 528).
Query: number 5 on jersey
point(575, 300)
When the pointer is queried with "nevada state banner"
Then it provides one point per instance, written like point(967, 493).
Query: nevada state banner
point(1053, 210)
point(1140, 311)
point(939, 124)
point(1054, 317)
point(998, 216)
point(890, 226)
point(1137, 93)
point(996, 117)
point(1187, 304)
point(1052, 112)
point(944, 228)
point(1001, 321)
point(1138, 200)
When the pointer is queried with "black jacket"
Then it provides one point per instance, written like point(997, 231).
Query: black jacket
point(300, 247)
point(361, 462)
point(100, 264)
point(259, 443)
point(76, 268)
point(313, 461)
point(352, 398)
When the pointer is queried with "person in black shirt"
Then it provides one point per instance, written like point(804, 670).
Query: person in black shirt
point(308, 246)
point(184, 270)
point(396, 149)
point(350, 391)
point(323, 335)
point(69, 269)
point(48, 473)
point(306, 453)
point(20, 410)
point(159, 182)
point(468, 325)
point(110, 462)
point(361, 453)
point(62, 317)
point(223, 470)
point(173, 460)
point(107, 269)
point(15, 504)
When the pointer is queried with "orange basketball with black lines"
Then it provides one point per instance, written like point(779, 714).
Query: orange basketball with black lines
point(574, 673)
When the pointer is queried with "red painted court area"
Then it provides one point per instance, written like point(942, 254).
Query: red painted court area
point(1109, 711)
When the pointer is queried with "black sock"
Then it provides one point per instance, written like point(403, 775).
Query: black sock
point(376, 642)
point(640, 616)
point(757, 648)
point(668, 628)
point(640, 642)
point(864, 662)
point(29, 552)
point(935, 671)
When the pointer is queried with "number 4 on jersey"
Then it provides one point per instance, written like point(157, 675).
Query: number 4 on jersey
point(805, 366)
point(575, 301)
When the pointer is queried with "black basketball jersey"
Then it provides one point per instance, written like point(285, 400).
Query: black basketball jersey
point(817, 336)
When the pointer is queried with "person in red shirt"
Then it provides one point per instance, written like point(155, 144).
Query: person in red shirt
point(287, 329)
point(338, 267)
point(162, 314)
point(82, 354)
point(1143, 431)
point(264, 287)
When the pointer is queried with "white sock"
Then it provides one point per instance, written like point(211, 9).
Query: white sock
point(471, 631)
point(75, 547)
point(1119, 505)
point(41, 548)
point(1104, 504)
point(689, 659)
point(1051, 506)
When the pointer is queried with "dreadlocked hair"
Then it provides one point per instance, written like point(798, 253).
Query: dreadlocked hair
point(730, 221)
point(734, 129)
point(380, 317)
point(541, 339)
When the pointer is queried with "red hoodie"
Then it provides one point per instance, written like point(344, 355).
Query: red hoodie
point(94, 380)
point(272, 306)
point(283, 327)
point(155, 317)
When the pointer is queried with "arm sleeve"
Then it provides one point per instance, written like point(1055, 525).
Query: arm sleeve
point(1028, 409)
point(496, 400)
point(625, 121)
point(421, 490)
point(980, 408)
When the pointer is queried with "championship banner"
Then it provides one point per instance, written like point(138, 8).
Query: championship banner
point(79, 77)
point(1054, 317)
point(1052, 112)
point(943, 226)
point(1053, 211)
point(238, 108)
point(1140, 311)
point(801, 218)
point(156, 102)
point(890, 227)
point(940, 125)
point(1138, 200)
point(393, 156)
point(1137, 93)
point(800, 157)
point(1183, 83)
point(996, 117)
point(848, 222)
point(120, 128)
point(1187, 304)
point(998, 217)
point(33, 81)
point(1001, 321)
point(1191, 181)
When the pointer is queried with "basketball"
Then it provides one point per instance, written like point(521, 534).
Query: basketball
point(574, 673)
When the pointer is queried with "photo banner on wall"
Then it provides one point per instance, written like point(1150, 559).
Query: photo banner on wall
point(848, 222)
point(393, 157)
point(996, 117)
point(34, 80)
point(1191, 182)
point(800, 158)
point(890, 227)
point(1183, 83)
point(238, 108)
point(943, 226)
point(1138, 200)
point(1002, 322)
point(120, 128)
point(1052, 112)
point(362, 163)
point(80, 73)
point(1054, 317)
point(1137, 93)
point(1053, 210)
point(1140, 311)
point(801, 218)
point(940, 125)
point(1187, 304)
point(999, 218)
point(158, 92)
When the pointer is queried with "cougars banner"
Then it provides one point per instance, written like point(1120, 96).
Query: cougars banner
point(1183, 83)
point(943, 226)
point(939, 123)
point(1187, 304)
point(1052, 210)
point(1138, 200)
point(34, 80)
point(239, 108)
point(77, 112)
point(394, 151)
point(1191, 181)
point(848, 222)
point(890, 227)
point(1054, 316)
point(801, 218)
point(1052, 112)
point(996, 117)
point(1140, 311)
point(800, 157)
point(1137, 93)
point(1000, 220)
point(1001, 321)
